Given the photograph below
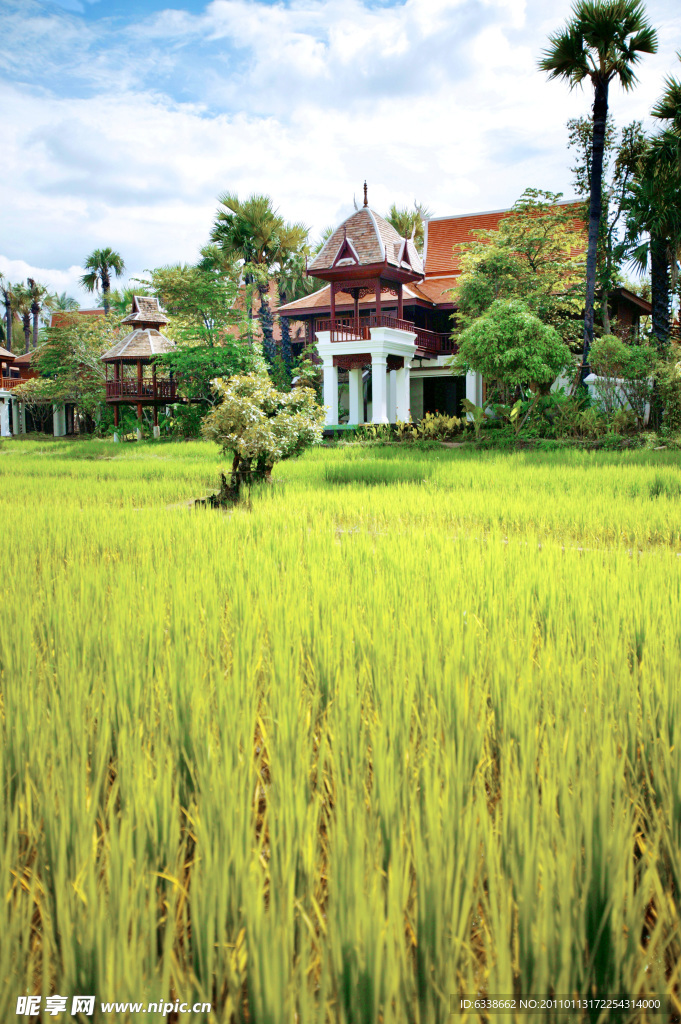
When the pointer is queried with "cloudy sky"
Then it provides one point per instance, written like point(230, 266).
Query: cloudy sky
point(123, 120)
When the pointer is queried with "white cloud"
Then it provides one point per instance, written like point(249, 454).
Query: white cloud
point(126, 136)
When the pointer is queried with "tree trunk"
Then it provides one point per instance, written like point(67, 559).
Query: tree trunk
point(8, 321)
point(27, 332)
point(286, 353)
point(600, 114)
point(660, 291)
point(35, 309)
point(106, 288)
point(267, 326)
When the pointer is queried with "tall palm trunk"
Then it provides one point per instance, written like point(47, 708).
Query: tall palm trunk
point(267, 325)
point(8, 319)
point(286, 353)
point(660, 290)
point(35, 310)
point(106, 288)
point(26, 318)
point(600, 115)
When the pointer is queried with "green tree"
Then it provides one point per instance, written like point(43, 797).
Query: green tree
point(253, 233)
point(259, 426)
point(99, 266)
point(653, 207)
point(533, 256)
point(621, 154)
point(410, 223)
point(602, 42)
point(511, 346)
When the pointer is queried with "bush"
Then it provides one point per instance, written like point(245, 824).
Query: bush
point(668, 380)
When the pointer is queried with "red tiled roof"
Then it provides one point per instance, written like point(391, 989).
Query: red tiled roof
point(321, 300)
point(443, 233)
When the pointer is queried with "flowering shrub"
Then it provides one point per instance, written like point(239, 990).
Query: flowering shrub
point(260, 426)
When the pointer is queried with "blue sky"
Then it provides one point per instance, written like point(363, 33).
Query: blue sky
point(123, 122)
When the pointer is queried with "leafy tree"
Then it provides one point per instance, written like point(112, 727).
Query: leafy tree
point(99, 266)
point(410, 223)
point(532, 256)
point(252, 232)
point(603, 41)
point(259, 426)
point(202, 304)
point(621, 154)
point(509, 345)
point(120, 302)
point(69, 364)
point(625, 372)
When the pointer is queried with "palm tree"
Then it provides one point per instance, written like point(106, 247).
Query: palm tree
point(602, 42)
point(253, 232)
point(40, 298)
point(410, 223)
point(7, 298)
point(65, 303)
point(99, 266)
point(668, 107)
point(22, 300)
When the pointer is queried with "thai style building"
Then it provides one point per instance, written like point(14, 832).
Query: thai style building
point(382, 321)
point(131, 377)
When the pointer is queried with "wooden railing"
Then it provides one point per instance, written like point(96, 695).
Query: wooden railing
point(163, 389)
point(354, 329)
point(7, 383)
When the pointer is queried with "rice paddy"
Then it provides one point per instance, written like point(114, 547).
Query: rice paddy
point(347, 752)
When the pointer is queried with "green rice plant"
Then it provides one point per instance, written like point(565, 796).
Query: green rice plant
point(349, 752)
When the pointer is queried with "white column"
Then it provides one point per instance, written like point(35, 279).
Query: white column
point(157, 432)
point(403, 387)
point(116, 437)
point(356, 396)
point(4, 417)
point(138, 433)
point(392, 396)
point(474, 388)
point(20, 417)
point(331, 392)
point(379, 390)
point(58, 420)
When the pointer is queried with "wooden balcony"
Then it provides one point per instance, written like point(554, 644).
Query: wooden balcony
point(11, 382)
point(429, 344)
point(133, 390)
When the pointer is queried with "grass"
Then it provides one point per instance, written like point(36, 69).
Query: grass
point(350, 751)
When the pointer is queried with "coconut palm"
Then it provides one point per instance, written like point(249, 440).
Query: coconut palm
point(410, 223)
point(668, 107)
point(65, 303)
point(253, 232)
point(40, 298)
point(603, 41)
point(99, 266)
point(7, 299)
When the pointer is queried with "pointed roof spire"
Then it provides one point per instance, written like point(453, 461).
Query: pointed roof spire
point(366, 200)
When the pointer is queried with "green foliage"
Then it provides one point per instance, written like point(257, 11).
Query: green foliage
point(201, 304)
point(625, 374)
point(410, 222)
point(533, 256)
point(260, 426)
point(99, 266)
point(668, 380)
point(308, 371)
point(197, 367)
point(475, 413)
point(511, 345)
point(69, 363)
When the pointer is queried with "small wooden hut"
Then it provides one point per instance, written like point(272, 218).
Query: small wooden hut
point(132, 379)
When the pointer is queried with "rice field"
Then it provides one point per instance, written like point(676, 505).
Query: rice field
point(404, 730)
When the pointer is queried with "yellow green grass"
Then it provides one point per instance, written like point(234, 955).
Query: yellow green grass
point(408, 727)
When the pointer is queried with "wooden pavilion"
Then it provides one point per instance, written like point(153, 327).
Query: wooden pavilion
point(133, 379)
